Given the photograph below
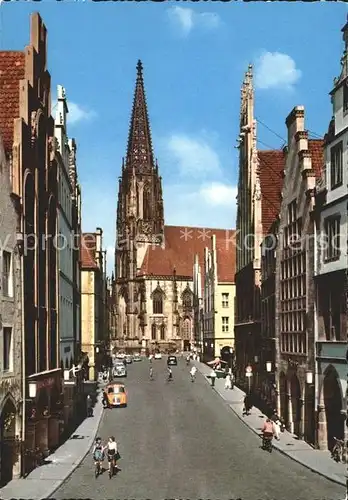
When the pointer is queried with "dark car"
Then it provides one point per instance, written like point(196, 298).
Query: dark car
point(172, 361)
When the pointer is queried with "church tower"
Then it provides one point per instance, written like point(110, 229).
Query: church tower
point(140, 219)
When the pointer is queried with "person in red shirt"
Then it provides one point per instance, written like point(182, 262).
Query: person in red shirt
point(268, 429)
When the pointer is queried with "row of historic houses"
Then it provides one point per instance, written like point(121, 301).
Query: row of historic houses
point(46, 272)
point(291, 287)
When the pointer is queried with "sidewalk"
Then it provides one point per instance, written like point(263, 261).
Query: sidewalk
point(298, 450)
point(43, 481)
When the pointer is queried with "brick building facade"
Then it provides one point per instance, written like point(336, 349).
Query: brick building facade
point(28, 132)
point(11, 386)
point(331, 268)
point(295, 292)
point(258, 201)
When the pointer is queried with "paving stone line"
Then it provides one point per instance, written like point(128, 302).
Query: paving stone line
point(305, 447)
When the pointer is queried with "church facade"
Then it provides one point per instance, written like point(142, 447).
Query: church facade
point(153, 262)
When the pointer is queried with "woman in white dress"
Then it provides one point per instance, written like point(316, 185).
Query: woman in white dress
point(112, 452)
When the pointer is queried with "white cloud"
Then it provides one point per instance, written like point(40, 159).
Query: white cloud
point(193, 156)
point(78, 113)
point(196, 205)
point(187, 19)
point(219, 194)
point(201, 194)
point(274, 69)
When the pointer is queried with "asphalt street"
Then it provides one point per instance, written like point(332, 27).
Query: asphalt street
point(179, 440)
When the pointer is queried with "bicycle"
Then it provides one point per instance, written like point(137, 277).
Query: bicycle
point(337, 450)
point(193, 377)
point(267, 442)
point(98, 464)
point(97, 468)
point(112, 466)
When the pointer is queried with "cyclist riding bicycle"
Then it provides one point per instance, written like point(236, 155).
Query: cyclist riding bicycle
point(112, 452)
point(151, 372)
point(193, 373)
point(98, 451)
point(169, 373)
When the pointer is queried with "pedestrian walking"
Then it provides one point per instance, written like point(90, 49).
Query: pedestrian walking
point(276, 430)
point(105, 400)
point(247, 405)
point(228, 383)
point(213, 377)
point(89, 406)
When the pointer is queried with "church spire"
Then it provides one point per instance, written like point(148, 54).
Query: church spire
point(139, 149)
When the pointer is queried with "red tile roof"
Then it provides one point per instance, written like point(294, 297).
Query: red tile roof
point(182, 244)
point(271, 167)
point(316, 148)
point(12, 70)
point(88, 252)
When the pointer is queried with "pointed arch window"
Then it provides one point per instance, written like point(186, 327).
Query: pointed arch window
point(146, 203)
point(138, 201)
point(187, 299)
point(187, 329)
point(153, 332)
point(157, 302)
point(163, 332)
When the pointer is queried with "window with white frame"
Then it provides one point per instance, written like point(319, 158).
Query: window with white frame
point(336, 170)
point(332, 237)
point(7, 282)
point(225, 324)
point(7, 362)
point(225, 297)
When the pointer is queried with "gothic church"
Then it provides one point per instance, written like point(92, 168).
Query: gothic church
point(153, 262)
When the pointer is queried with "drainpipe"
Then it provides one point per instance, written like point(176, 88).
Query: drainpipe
point(21, 254)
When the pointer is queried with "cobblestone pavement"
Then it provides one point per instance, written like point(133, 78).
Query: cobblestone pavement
point(179, 440)
point(300, 451)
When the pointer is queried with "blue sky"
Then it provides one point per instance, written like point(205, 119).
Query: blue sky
point(194, 57)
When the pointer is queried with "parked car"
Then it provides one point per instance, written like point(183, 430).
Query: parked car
point(119, 370)
point(172, 360)
point(129, 359)
point(158, 355)
point(120, 355)
point(137, 357)
point(116, 395)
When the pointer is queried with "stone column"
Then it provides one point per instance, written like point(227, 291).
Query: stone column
point(290, 416)
point(278, 394)
point(17, 466)
point(302, 419)
point(322, 427)
point(345, 435)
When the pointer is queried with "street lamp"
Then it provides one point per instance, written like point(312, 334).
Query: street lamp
point(32, 390)
point(309, 377)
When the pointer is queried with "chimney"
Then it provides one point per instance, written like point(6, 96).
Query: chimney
point(98, 240)
point(295, 122)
